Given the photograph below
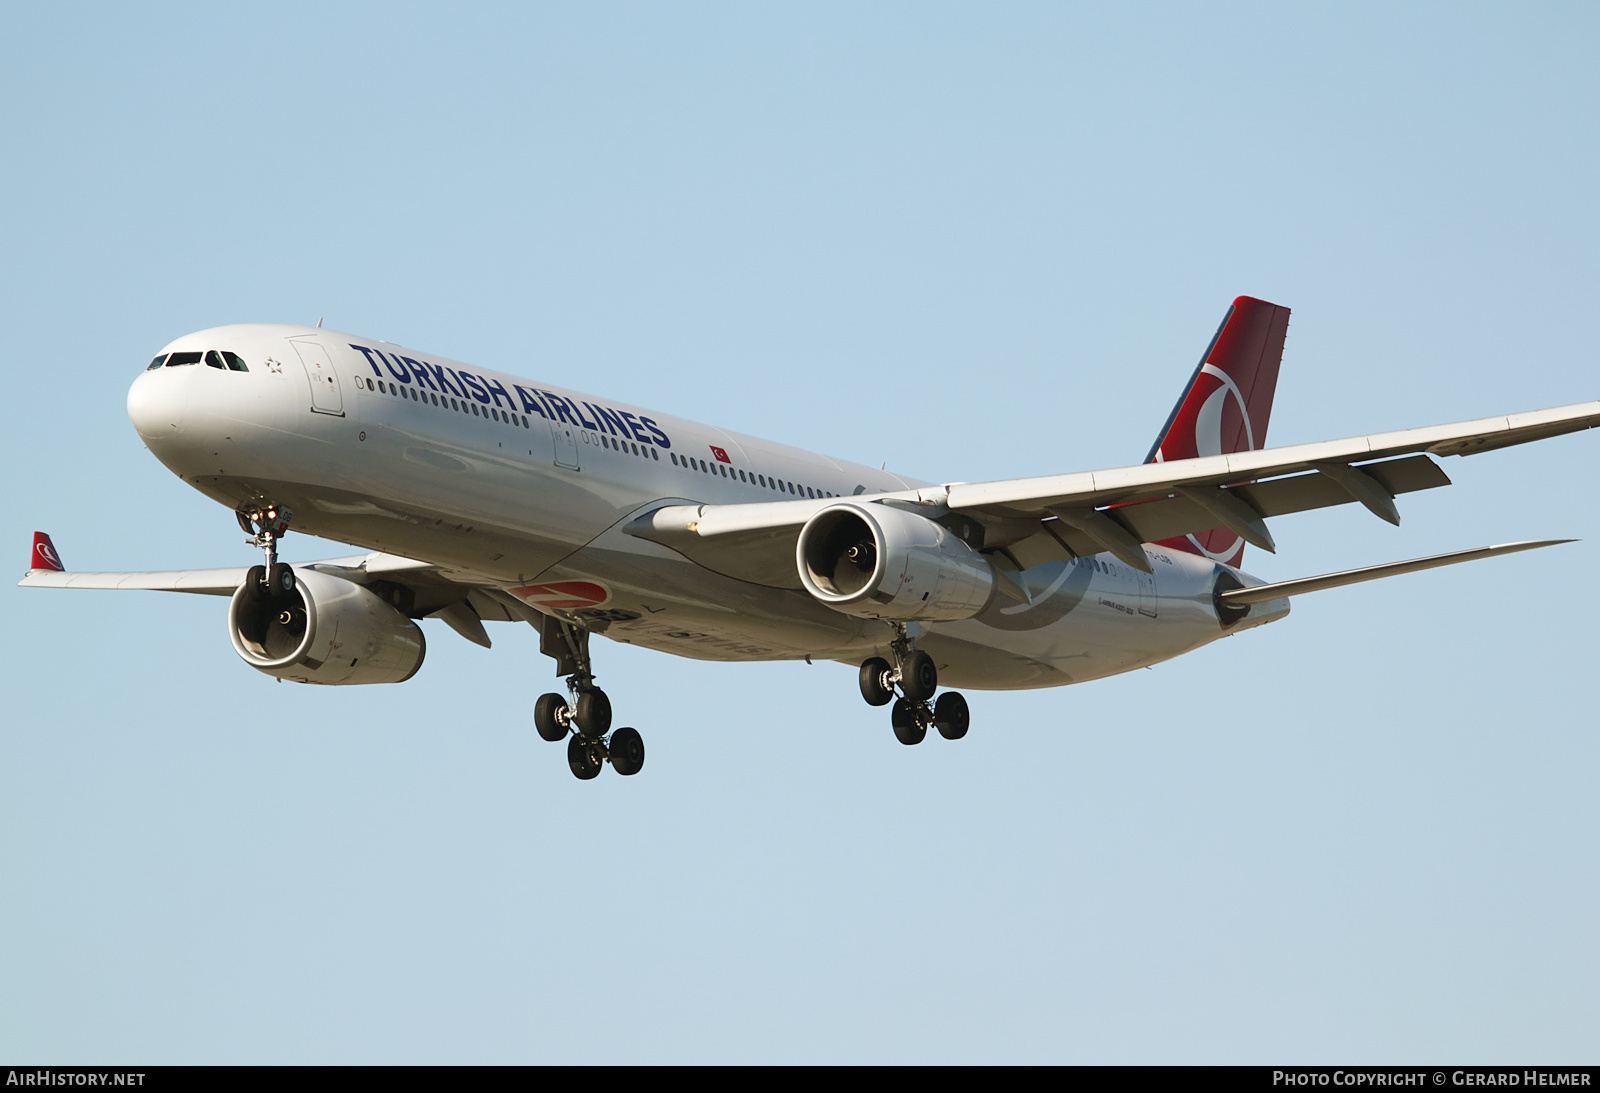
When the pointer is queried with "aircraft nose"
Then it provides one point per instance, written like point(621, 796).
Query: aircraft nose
point(156, 403)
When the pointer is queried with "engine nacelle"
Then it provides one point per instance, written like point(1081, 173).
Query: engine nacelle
point(329, 631)
point(878, 562)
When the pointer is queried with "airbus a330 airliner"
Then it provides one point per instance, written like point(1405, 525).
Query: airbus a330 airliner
point(482, 496)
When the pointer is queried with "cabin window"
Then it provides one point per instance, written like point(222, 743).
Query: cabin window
point(178, 360)
point(157, 363)
point(235, 362)
point(214, 360)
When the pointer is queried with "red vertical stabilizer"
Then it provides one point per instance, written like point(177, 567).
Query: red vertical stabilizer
point(1226, 406)
point(44, 554)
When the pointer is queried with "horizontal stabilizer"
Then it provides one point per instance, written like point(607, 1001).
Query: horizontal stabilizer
point(1263, 592)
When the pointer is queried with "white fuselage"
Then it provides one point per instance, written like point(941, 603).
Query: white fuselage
point(528, 485)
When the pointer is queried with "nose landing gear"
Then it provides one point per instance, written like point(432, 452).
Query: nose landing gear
point(917, 678)
point(586, 715)
point(266, 524)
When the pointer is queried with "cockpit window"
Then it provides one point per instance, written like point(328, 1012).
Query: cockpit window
point(226, 361)
point(157, 363)
point(178, 360)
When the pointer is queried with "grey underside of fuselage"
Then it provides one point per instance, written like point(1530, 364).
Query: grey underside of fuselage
point(1079, 628)
point(1081, 625)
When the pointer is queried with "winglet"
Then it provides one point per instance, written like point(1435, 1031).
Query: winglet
point(44, 554)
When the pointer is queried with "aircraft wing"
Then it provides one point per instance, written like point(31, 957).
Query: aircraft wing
point(206, 582)
point(1121, 485)
point(1028, 521)
point(424, 590)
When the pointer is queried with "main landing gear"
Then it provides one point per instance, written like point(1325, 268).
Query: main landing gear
point(266, 524)
point(586, 716)
point(917, 678)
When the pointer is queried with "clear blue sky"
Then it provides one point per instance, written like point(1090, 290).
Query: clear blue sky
point(975, 241)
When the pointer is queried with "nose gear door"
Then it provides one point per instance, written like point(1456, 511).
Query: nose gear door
point(326, 397)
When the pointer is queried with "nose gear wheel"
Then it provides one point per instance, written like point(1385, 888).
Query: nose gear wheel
point(266, 524)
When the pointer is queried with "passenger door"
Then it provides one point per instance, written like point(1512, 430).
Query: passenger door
point(326, 397)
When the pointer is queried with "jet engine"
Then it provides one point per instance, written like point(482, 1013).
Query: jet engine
point(328, 630)
point(874, 561)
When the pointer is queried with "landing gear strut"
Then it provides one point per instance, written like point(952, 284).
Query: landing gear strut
point(586, 713)
point(266, 524)
point(917, 678)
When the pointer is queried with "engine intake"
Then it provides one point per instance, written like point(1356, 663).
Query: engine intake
point(874, 561)
point(329, 630)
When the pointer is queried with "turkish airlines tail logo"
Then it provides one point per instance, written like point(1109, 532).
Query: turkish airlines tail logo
point(1226, 406)
point(44, 554)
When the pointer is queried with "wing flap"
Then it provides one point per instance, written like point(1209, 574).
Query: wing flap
point(1172, 516)
point(1168, 517)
